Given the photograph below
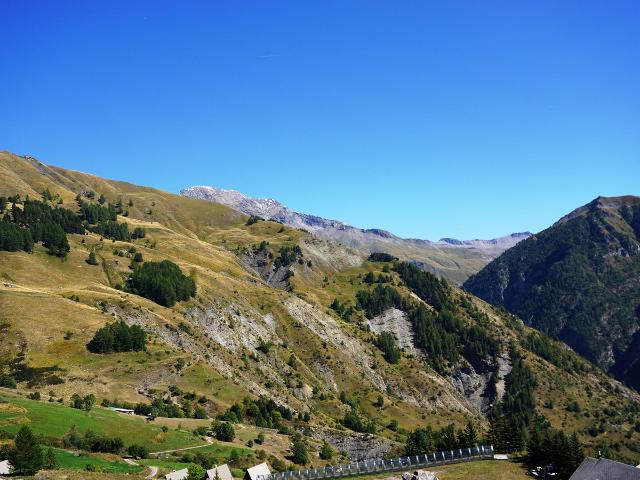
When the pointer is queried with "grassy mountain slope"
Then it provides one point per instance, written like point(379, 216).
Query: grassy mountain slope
point(578, 281)
point(261, 302)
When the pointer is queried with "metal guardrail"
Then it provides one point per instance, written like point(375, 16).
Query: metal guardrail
point(378, 465)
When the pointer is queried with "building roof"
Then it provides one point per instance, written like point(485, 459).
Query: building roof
point(177, 474)
point(604, 469)
point(258, 471)
point(223, 473)
point(5, 466)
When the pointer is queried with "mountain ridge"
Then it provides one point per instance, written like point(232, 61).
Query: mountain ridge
point(424, 252)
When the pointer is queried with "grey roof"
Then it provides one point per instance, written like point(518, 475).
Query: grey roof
point(259, 470)
point(223, 473)
point(604, 469)
point(177, 474)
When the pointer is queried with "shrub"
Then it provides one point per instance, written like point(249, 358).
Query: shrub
point(138, 451)
point(7, 381)
point(224, 432)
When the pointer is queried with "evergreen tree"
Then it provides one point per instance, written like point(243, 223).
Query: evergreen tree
point(91, 260)
point(387, 343)
point(28, 458)
point(299, 454)
point(326, 452)
point(469, 435)
point(50, 460)
point(420, 441)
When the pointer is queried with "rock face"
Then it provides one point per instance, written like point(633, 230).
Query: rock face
point(396, 322)
point(578, 281)
point(451, 258)
point(357, 446)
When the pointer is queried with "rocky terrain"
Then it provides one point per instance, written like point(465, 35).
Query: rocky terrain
point(449, 257)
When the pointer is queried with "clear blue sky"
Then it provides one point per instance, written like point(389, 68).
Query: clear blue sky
point(429, 119)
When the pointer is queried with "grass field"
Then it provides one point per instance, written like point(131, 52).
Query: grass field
point(70, 461)
point(54, 420)
point(483, 470)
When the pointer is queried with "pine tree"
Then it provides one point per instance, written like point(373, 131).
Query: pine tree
point(28, 458)
point(299, 453)
point(50, 460)
point(326, 453)
point(469, 435)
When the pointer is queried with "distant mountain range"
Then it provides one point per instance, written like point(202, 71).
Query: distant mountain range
point(578, 281)
point(449, 257)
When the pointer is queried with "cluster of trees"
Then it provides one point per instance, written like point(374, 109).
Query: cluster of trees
point(381, 297)
point(441, 334)
point(95, 214)
point(36, 222)
point(371, 278)
point(254, 219)
point(112, 230)
point(27, 455)
point(13, 238)
point(169, 409)
point(386, 342)
point(138, 232)
point(83, 403)
point(118, 337)
point(427, 440)
point(287, 255)
point(92, 441)
point(344, 310)
point(163, 282)
point(548, 446)
point(510, 420)
point(381, 257)
point(262, 412)
point(425, 285)
point(352, 419)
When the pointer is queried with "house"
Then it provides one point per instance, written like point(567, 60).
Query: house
point(5, 466)
point(258, 472)
point(604, 469)
point(221, 472)
point(177, 474)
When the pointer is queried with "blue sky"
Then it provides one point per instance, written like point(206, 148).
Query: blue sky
point(429, 119)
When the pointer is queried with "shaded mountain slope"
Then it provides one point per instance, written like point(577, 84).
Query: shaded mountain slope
point(577, 281)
